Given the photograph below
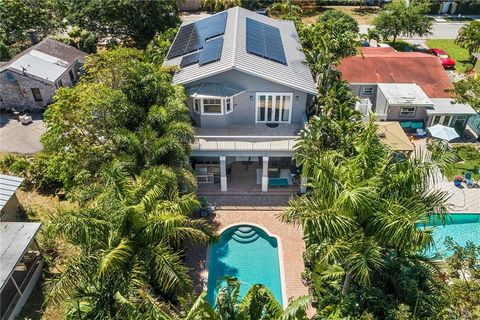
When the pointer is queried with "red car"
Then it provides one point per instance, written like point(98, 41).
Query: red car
point(447, 62)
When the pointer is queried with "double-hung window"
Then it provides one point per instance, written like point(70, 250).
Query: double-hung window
point(367, 90)
point(273, 107)
point(407, 111)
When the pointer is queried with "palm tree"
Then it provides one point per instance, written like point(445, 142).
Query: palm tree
point(363, 204)
point(128, 245)
point(469, 37)
point(257, 304)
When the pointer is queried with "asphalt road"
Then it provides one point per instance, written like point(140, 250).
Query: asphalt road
point(440, 30)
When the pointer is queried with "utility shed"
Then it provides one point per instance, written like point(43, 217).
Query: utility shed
point(20, 265)
point(8, 200)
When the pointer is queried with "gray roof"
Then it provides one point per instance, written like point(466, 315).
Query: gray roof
point(47, 60)
point(15, 237)
point(213, 90)
point(448, 106)
point(296, 74)
point(8, 186)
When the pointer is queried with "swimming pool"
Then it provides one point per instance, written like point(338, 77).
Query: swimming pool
point(249, 254)
point(463, 228)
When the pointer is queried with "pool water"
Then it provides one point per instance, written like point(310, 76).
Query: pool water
point(249, 254)
point(462, 228)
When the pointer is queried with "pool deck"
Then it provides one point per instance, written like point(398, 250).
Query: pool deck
point(291, 247)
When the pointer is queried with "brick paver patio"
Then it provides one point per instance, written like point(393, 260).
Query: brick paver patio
point(292, 247)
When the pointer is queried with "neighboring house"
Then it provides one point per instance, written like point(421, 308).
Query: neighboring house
point(248, 87)
point(409, 87)
point(9, 204)
point(30, 79)
point(20, 265)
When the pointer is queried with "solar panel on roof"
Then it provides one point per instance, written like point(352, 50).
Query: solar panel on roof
point(265, 41)
point(192, 37)
point(212, 51)
point(190, 59)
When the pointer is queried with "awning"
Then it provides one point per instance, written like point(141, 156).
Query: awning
point(445, 106)
point(392, 134)
point(213, 90)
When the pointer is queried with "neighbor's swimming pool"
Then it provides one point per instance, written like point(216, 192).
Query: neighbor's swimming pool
point(249, 254)
point(463, 228)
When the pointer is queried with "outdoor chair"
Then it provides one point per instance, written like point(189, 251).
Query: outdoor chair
point(469, 179)
point(421, 133)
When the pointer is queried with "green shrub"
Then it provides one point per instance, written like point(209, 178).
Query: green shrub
point(20, 166)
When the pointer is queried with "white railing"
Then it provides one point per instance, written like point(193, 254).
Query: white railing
point(364, 106)
point(245, 143)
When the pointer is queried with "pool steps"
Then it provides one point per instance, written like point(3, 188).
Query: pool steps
point(245, 235)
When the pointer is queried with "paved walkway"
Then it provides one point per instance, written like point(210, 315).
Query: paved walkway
point(291, 246)
point(18, 138)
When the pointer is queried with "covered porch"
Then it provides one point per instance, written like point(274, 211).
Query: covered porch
point(449, 114)
point(227, 161)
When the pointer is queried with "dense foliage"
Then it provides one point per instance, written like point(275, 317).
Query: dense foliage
point(403, 18)
point(124, 108)
point(128, 21)
point(19, 16)
point(469, 37)
point(360, 222)
point(128, 245)
point(468, 91)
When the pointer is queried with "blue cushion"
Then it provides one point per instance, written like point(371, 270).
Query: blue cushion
point(417, 125)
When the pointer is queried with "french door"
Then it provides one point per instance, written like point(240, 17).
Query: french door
point(273, 108)
point(443, 120)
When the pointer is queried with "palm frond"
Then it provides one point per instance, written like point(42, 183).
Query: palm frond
point(116, 259)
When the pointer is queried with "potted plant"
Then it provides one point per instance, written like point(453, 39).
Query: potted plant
point(457, 181)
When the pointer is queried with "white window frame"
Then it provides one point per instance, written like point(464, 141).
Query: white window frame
point(195, 100)
point(213, 113)
point(367, 90)
point(273, 95)
point(455, 119)
point(403, 114)
point(228, 101)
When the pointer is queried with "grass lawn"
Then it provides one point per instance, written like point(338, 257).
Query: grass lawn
point(363, 15)
point(459, 54)
point(470, 161)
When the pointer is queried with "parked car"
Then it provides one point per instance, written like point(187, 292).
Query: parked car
point(445, 59)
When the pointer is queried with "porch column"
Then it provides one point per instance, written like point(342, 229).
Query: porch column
point(223, 173)
point(265, 175)
point(303, 186)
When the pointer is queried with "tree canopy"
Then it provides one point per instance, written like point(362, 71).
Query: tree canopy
point(469, 37)
point(125, 108)
point(129, 21)
point(402, 18)
point(468, 91)
point(19, 16)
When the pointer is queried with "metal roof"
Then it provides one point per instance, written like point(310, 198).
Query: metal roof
point(213, 90)
point(47, 51)
point(8, 186)
point(40, 65)
point(296, 74)
point(15, 237)
point(404, 94)
point(448, 106)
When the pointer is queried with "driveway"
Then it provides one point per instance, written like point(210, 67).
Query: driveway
point(18, 138)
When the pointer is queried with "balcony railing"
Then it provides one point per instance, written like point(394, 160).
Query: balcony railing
point(245, 143)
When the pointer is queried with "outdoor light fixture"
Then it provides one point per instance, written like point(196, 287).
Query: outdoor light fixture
point(296, 98)
point(251, 97)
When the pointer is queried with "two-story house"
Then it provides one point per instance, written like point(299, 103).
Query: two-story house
point(410, 87)
point(30, 79)
point(248, 87)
